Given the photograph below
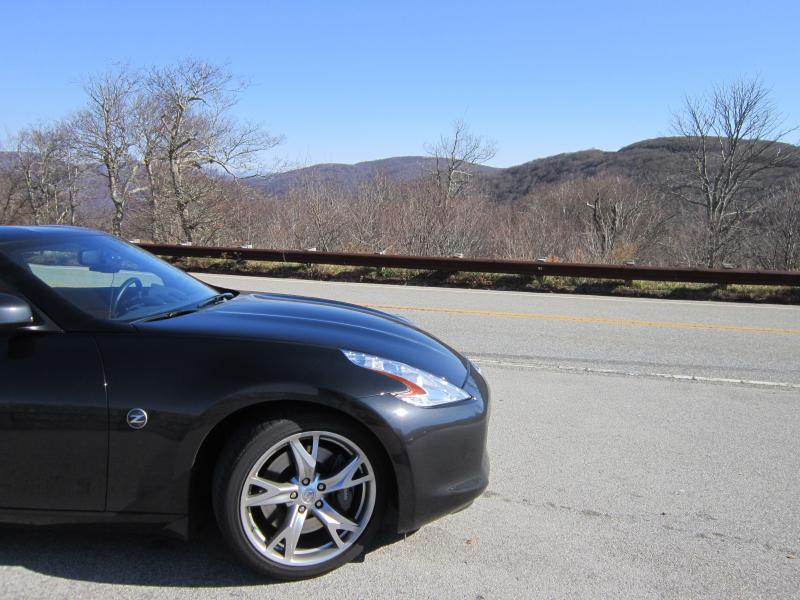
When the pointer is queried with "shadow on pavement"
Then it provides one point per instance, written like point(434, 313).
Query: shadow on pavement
point(125, 557)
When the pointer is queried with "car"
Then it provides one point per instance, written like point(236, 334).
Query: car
point(132, 392)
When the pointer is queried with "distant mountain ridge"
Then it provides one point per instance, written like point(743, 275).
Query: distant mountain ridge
point(655, 160)
point(648, 161)
point(349, 177)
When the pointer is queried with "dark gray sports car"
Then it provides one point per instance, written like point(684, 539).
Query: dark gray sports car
point(130, 391)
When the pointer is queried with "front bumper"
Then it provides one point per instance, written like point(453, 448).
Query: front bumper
point(438, 453)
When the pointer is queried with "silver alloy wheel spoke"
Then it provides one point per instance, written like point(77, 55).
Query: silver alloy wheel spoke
point(344, 478)
point(290, 533)
point(273, 492)
point(334, 522)
point(305, 462)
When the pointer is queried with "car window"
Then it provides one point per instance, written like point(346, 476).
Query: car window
point(62, 269)
point(109, 279)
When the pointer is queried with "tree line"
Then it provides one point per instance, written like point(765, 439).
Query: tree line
point(162, 141)
point(156, 154)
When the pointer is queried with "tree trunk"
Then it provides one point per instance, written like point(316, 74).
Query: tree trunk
point(152, 199)
point(181, 201)
point(119, 206)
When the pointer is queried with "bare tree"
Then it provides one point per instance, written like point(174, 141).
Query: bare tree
point(734, 135)
point(776, 239)
point(194, 100)
point(11, 187)
point(317, 215)
point(50, 170)
point(36, 160)
point(457, 156)
point(105, 135)
point(148, 126)
point(624, 219)
point(251, 218)
point(527, 230)
point(371, 214)
point(440, 214)
point(424, 225)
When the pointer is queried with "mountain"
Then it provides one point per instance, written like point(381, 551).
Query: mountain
point(658, 160)
point(349, 177)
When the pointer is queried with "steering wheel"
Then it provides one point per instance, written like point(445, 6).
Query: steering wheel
point(113, 310)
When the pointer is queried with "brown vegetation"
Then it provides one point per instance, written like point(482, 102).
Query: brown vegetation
point(156, 155)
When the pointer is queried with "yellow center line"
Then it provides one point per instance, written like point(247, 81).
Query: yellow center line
point(600, 320)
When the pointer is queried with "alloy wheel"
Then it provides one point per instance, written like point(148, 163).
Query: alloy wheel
point(307, 499)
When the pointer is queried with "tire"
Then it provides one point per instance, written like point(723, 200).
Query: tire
point(288, 519)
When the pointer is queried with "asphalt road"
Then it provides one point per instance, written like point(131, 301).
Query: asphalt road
point(640, 448)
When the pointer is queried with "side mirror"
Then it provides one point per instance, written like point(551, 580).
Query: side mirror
point(14, 312)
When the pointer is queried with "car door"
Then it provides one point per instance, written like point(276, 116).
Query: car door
point(53, 421)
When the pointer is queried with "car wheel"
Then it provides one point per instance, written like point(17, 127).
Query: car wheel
point(297, 497)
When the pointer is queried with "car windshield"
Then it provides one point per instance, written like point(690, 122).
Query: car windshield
point(110, 279)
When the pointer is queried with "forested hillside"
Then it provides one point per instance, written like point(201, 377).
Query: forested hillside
point(157, 154)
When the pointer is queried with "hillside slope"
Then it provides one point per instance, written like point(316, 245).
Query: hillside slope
point(349, 177)
point(659, 160)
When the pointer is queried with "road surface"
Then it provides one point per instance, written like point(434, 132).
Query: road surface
point(640, 448)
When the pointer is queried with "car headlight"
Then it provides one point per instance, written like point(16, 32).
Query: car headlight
point(422, 388)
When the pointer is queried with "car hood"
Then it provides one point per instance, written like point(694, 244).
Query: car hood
point(280, 318)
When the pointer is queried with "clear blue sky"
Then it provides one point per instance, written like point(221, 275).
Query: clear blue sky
point(350, 81)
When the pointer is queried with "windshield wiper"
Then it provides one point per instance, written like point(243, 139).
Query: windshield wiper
point(216, 299)
point(185, 311)
point(167, 315)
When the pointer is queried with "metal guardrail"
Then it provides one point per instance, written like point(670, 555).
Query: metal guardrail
point(484, 265)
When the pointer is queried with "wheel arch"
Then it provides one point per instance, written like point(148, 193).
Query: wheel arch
point(209, 450)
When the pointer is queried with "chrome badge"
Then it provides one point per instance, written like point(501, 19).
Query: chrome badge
point(137, 418)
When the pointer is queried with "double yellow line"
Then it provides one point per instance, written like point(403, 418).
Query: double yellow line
point(592, 320)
